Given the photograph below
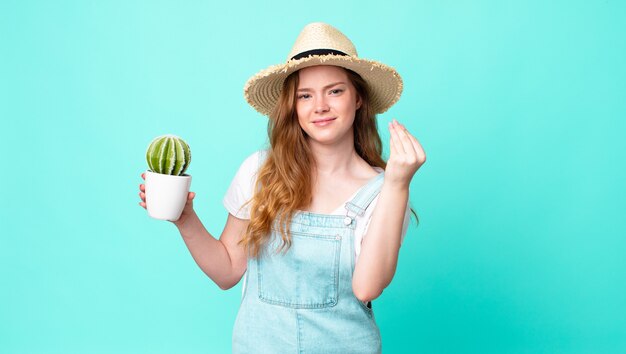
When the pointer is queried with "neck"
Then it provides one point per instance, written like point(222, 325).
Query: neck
point(334, 159)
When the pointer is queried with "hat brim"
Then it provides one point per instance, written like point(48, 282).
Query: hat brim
point(385, 84)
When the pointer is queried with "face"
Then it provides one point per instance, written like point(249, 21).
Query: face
point(326, 103)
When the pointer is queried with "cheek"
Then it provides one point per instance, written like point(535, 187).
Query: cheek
point(350, 106)
point(349, 103)
point(301, 108)
point(301, 122)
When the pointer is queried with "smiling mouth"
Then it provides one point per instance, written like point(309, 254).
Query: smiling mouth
point(324, 120)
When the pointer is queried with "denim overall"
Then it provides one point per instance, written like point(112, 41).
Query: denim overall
point(301, 301)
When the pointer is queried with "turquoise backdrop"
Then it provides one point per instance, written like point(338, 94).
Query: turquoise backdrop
point(520, 106)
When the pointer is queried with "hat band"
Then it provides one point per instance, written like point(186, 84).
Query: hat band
point(309, 53)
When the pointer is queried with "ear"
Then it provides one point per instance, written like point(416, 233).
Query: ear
point(359, 102)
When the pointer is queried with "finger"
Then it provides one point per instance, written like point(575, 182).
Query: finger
point(395, 138)
point(418, 147)
point(143, 175)
point(191, 195)
point(143, 205)
point(142, 187)
point(142, 196)
point(419, 150)
point(404, 139)
point(392, 143)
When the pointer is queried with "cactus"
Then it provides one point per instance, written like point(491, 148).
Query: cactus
point(168, 155)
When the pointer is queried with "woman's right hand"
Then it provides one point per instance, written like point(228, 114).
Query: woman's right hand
point(187, 211)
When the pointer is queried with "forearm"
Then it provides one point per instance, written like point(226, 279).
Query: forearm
point(209, 253)
point(381, 244)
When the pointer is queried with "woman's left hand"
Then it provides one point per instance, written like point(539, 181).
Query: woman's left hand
point(405, 157)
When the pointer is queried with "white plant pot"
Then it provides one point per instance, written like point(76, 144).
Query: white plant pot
point(166, 195)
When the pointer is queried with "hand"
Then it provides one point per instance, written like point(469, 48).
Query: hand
point(405, 157)
point(188, 210)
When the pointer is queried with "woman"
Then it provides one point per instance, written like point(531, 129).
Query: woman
point(314, 222)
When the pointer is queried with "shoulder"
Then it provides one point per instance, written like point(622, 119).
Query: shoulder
point(253, 161)
point(246, 174)
point(255, 157)
point(364, 172)
point(242, 186)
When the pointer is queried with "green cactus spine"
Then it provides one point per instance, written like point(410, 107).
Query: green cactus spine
point(168, 155)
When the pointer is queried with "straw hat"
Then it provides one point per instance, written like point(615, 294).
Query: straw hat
point(322, 44)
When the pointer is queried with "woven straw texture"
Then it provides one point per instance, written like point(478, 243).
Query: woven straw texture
point(262, 90)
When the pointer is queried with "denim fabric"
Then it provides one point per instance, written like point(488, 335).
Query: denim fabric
point(301, 301)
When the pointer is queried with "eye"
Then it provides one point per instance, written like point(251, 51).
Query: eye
point(304, 96)
point(336, 91)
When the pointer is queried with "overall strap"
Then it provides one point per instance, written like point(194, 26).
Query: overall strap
point(365, 196)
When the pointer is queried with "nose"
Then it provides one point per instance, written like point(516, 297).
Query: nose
point(321, 106)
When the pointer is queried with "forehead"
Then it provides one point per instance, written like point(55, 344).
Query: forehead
point(321, 74)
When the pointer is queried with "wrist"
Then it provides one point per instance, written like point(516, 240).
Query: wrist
point(396, 186)
point(186, 222)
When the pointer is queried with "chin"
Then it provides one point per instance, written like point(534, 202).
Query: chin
point(324, 140)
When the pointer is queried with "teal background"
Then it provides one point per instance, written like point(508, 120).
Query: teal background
point(520, 106)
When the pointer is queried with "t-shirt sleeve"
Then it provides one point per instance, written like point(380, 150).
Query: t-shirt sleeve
point(241, 187)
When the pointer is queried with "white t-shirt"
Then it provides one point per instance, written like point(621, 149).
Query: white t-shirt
point(240, 191)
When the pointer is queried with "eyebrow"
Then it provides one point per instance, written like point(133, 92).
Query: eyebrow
point(325, 87)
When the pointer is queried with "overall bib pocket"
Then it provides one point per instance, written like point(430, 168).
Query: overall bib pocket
point(306, 276)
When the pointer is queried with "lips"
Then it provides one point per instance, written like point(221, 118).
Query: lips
point(323, 120)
